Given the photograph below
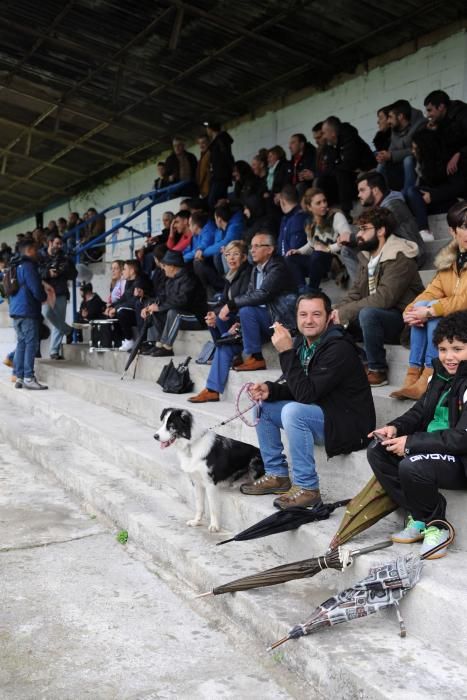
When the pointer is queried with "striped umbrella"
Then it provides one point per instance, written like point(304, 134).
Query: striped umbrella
point(338, 559)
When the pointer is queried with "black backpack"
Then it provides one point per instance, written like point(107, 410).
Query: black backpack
point(10, 280)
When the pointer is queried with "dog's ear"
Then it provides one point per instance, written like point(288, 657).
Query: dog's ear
point(184, 423)
point(164, 413)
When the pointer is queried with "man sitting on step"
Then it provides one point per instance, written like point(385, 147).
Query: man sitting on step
point(184, 305)
point(325, 399)
point(387, 281)
point(270, 297)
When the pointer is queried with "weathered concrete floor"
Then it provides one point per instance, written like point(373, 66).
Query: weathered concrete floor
point(81, 616)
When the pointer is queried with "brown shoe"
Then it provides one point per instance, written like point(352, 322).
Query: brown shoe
point(237, 360)
point(377, 378)
point(413, 374)
point(265, 485)
point(296, 496)
point(251, 364)
point(205, 396)
point(416, 390)
point(8, 362)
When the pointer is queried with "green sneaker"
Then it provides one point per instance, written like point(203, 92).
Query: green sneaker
point(412, 532)
point(433, 537)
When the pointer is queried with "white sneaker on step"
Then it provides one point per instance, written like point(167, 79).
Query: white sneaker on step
point(426, 235)
point(127, 345)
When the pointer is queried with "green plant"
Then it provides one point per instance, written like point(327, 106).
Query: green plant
point(122, 537)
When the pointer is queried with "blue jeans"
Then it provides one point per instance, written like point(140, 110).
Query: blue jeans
point(379, 326)
point(422, 349)
point(314, 266)
point(255, 322)
point(56, 317)
point(304, 426)
point(223, 356)
point(27, 341)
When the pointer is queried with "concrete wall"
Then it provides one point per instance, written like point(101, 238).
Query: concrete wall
point(442, 64)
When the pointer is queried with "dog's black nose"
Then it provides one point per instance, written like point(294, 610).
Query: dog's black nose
point(156, 437)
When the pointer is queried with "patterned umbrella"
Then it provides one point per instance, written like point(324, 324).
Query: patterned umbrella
point(384, 587)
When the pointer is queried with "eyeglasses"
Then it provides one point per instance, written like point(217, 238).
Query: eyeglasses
point(260, 245)
point(232, 255)
point(366, 228)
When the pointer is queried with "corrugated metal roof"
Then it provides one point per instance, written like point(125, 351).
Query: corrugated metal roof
point(90, 87)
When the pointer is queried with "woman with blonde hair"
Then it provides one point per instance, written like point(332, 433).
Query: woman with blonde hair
point(446, 293)
point(237, 279)
point(327, 231)
point(117, 282)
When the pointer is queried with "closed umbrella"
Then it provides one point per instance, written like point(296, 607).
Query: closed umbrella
point(136, 348)
point(289, 519)
point(336, 559)
point(364, 510)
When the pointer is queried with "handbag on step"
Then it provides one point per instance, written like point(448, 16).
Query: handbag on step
point(176, 380)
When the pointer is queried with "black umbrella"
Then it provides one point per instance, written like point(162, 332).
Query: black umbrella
point(289, 519)
point(136, 347)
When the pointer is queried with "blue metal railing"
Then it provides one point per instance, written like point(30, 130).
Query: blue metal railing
point(154, 197)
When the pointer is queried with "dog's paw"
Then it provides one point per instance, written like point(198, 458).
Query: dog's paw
point(194, 523)
point(213, 527)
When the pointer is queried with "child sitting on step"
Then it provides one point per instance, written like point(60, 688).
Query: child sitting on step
point(425, 449)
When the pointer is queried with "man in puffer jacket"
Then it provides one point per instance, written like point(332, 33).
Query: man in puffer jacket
point(386, 282)
point(25, 310)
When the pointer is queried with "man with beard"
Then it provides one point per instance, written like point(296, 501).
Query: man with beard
point(386, 282)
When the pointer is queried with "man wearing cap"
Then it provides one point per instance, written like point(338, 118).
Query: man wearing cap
point(221, 162)
point(184, 306)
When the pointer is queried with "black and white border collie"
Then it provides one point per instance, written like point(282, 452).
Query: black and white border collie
point(208, 458)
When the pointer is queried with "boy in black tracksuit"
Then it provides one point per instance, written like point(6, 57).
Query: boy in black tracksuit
point(430, 451)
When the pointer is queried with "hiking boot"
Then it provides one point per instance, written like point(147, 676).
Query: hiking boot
point(266, 484)
point(434, 536)
point(204, 396)
point(297, 496)
point(377, 377)
point(251, 364)
point(416, 390)
point(32, 384)
point(412, 376)
point(18, 383)
point(412, 532)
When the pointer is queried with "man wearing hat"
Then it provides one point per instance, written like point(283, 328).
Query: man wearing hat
point(184, 306)
point(221, 162)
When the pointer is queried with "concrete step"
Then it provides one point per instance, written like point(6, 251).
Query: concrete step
point(350, 665)
point(439, 226)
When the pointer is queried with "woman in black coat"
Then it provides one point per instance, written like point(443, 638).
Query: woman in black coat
point(237, 280)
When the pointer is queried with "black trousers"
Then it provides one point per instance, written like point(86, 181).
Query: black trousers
point(413, 482)
point(127, 318)
point(209, 276)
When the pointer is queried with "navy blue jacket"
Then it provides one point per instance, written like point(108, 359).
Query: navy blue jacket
point(292, 231)
point(26, 303)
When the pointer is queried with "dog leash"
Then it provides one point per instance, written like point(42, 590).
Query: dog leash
point(245, 389)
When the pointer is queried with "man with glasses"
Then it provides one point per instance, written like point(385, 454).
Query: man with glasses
point(270, 297)
point(387, 281)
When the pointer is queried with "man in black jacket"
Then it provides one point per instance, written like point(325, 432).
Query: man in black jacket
point(325, 399)
point(184, 305)
point(352, 156)
point(449, 117)
point(57, 270)
point(270, 297)
point(221, 162)
point(425, 449)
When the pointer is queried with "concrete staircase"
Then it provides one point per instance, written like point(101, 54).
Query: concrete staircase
point(94, 432)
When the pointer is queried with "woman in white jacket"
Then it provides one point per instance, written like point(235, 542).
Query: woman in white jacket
point(327, 231)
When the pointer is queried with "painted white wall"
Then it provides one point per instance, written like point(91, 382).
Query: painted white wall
point(442, 65)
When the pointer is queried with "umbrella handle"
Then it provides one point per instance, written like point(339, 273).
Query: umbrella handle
point(450, 540)
point(371, 548)
point(278, 643)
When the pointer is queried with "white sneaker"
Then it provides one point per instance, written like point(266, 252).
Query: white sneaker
point(127, 345)
point(426, 235)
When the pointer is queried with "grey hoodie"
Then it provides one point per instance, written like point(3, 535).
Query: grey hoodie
point(401, 141)
point(406, 223)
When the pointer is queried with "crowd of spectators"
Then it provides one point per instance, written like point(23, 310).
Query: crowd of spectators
point(336, 207)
